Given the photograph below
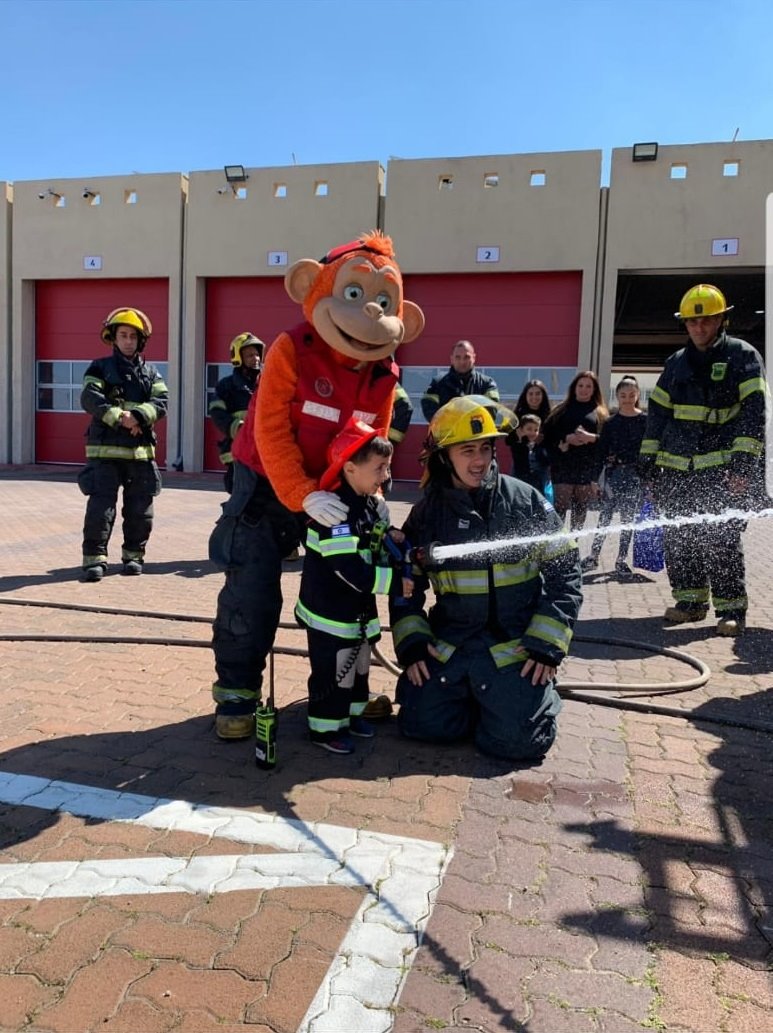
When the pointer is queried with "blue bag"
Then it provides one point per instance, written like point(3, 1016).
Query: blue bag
point(648, 543)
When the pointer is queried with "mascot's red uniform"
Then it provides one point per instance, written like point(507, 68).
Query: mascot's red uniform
point(335, 365)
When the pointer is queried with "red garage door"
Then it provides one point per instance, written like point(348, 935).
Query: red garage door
point(68, 318)
point(257, 304)
point(522, 325)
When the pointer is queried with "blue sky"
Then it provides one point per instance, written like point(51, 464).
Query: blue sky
point(101, 88)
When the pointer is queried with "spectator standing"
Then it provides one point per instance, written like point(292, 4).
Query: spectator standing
point(531, 462)
point(571, 436)
point(534, 400)
point(461, 379)
point(618, 458)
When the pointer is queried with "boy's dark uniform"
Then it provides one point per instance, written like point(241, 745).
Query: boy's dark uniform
point(345, 567)
point(116, 458)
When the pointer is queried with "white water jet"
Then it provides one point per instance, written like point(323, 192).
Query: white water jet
point(445, 552)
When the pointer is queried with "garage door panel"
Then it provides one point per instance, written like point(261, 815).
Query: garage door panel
point(512, 319)
point(259, 304)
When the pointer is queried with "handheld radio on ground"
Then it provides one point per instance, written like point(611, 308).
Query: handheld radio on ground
point(265, 725)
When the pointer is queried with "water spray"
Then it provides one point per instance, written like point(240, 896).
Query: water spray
point(438, 553)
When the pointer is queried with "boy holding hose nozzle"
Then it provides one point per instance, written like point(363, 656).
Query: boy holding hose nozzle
point(346, 566)
point(483, 659)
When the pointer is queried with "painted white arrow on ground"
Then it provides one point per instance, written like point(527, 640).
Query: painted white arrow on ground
point(401, 876)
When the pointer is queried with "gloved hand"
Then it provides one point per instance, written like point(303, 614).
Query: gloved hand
point(325, 507)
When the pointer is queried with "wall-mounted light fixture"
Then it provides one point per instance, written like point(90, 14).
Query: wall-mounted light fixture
point(235, 174)
point(644, 152)
point(50, 192)
point(88, 193)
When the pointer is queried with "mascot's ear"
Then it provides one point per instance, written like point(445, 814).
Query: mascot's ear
point(300, 277)
point(413, 321)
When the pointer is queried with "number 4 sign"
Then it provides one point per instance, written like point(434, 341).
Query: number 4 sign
point(92, 262)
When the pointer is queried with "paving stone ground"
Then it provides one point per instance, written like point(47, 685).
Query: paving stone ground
point(625, 884)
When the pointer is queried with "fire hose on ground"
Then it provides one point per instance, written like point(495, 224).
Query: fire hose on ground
point(579, 691)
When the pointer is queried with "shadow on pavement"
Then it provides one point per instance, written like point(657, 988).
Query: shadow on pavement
point(728, 907)
point(60, 575)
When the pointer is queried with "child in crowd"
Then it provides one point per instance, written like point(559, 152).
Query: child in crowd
point(345, 567)
point(618, 456)
point(530, 458)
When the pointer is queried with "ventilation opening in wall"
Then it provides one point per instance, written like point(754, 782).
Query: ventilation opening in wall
point(280, 190)
point(130, 197)
point(92, 199)
point(445, 182)
point(491, 179)
point(61, 201)
point(678, 172)
point(730, 168)
point(537, 178)
point(320, 188)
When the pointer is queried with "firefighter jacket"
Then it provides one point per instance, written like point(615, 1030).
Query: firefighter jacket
point(527, 598)
point(402, 410)
point(707, 410)
point(110, 386)
point(344, 568)
point(229, 407)
point(453, 385)
point(309, 391)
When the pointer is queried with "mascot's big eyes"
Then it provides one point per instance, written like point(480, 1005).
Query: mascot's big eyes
point(353, 292)
point(384, 301)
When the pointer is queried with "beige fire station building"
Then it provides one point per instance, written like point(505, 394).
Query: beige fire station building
point(528, 256)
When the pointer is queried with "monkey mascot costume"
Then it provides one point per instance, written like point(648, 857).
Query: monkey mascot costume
point(335, 365)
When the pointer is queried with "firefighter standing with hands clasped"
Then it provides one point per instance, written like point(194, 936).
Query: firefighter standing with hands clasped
point(125, 397)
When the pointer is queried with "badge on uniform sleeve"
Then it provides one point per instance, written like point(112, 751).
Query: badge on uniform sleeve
point(339, 529)
point(464, 525)
point(718, 370)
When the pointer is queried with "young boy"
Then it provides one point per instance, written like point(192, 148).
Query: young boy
point(345, 567)
point(530, 457)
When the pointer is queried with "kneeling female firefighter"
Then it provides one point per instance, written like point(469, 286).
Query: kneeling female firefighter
point(483, 659)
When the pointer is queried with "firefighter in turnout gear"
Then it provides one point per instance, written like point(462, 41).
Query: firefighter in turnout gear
point(346, 566)
point(232, 396)
point(701, 450)
point(125, 397)
point(483, 659)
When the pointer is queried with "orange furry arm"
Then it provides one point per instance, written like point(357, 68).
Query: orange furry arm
point(274, 438)
point(384, 415)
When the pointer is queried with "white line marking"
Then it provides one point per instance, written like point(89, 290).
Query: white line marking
point(402, 877)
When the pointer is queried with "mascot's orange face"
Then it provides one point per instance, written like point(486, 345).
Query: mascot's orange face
point(354, 299)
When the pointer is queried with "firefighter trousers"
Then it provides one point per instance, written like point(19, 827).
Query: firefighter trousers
point(101, 480)
point(338, 682)
point(468, 694)
point(704, 561)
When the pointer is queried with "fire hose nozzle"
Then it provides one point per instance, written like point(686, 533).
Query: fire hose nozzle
point(424, 555)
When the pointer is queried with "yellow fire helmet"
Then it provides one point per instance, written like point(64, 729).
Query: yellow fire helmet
point(469, 418)
point(243, 341)
point(127, 317)
point(702, 300)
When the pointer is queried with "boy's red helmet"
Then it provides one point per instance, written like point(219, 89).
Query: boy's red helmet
point(349, 441)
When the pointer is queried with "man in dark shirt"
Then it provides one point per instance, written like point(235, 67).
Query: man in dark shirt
point(461, 379)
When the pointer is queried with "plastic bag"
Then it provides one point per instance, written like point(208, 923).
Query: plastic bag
point(648, 543)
